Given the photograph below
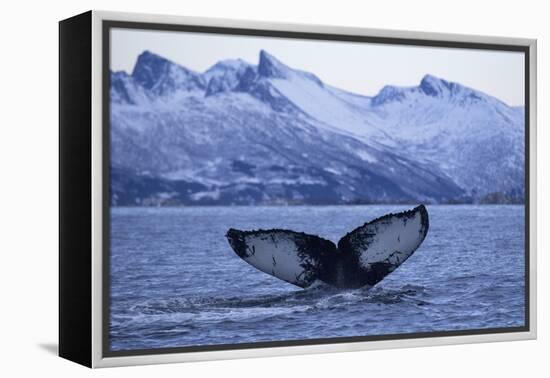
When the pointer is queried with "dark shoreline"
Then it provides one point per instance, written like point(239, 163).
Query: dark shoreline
point(321, 205)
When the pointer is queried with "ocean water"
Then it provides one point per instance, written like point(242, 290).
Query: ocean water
point(175, 281)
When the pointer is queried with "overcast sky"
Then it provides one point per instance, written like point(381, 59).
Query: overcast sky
point(357, 67)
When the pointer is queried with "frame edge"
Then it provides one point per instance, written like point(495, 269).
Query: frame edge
point(98, 360)
point(75, 287)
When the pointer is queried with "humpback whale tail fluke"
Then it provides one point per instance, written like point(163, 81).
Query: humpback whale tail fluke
point(363, 257)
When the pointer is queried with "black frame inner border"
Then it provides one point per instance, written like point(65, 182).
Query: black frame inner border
point(107, 25)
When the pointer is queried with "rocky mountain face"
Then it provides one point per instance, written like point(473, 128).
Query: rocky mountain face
point(268, 134)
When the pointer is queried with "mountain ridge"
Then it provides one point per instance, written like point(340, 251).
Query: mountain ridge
point(428, 142)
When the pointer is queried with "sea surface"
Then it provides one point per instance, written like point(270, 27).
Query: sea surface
point(176, 282)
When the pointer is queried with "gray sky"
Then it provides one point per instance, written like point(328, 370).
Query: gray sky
point(357, 67)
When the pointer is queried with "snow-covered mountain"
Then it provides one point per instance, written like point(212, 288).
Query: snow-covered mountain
point(241, 133)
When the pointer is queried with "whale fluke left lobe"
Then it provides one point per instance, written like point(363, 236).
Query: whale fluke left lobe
point(294, 257)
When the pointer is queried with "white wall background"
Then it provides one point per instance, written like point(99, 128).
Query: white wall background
point(28, 190)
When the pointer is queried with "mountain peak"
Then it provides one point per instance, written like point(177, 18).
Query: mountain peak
point(150, 59)
point(388, 94)
point(227, 66)
point(431, 86)
point(269, 66)
point(230, 63)
point(151, 55)
point(225, 75)
point(436, 87)
point(149, 68)
point(162, 76)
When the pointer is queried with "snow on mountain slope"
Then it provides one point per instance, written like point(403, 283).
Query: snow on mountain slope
point(310, 95)
point(240, 133)
point(476, 139)
point(124, 90)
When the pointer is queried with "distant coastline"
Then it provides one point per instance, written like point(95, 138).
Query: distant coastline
point(492, 199)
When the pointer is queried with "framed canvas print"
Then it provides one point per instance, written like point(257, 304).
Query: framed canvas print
point(232, 189)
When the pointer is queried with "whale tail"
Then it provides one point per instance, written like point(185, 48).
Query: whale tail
point(363, 256)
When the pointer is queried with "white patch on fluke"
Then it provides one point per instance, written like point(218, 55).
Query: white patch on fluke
point(275, 254)
point(391, 240)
